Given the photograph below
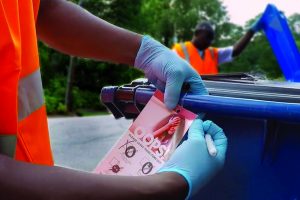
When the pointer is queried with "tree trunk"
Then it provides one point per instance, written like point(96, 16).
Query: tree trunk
point(70, 80)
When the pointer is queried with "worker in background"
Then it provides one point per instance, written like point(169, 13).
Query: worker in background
point(26, 164)
point(206, 59)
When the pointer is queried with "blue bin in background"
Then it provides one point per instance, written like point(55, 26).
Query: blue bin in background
point(281, 40)
point(262, 122)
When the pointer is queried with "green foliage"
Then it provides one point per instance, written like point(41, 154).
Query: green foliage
point(54, 95)
point(119, 12)
point(53, 64)
point(294, 22)
point(86, 99)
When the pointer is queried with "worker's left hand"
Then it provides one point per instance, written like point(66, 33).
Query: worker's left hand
point(257, 25)
point(192, 159)
point(167, 71)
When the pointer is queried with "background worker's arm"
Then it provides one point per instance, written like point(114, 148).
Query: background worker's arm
point(243, 42)
point(21, 180)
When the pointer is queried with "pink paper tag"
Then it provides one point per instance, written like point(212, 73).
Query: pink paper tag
point(149, 141)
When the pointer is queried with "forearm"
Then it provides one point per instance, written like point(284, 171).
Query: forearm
point(72, 30)
point(242, 43)
point(20, 180)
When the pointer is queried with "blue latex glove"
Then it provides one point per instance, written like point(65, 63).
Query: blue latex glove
point(167, 71)
point(257, 25)
point(192, 160)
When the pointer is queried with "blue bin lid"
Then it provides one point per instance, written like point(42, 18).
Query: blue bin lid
point(281, 40)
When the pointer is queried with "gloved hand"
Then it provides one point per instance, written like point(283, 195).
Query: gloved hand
point(192, 160)
point(167, 71)
point(257, 25)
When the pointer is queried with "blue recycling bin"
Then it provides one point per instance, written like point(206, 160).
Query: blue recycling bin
point(281, 40)
point(262, 123)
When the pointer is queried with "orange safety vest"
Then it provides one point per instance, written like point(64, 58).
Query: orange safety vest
point(22, 107)
point(206, 65)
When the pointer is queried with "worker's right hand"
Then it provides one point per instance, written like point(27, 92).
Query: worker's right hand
point(167, 71)
point(192, 160)
point(257, 25)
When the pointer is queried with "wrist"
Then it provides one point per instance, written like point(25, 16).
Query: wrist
point(142, 52)
point(252, 30)
point(132, 52)
point(170, 185)
point(148, 50)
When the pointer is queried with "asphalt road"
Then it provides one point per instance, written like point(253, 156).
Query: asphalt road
point(81, 142)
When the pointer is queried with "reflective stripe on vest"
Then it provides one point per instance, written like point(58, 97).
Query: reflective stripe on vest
point(187, 56)
point(185, 52)
point(212, 54)
point(206, 65)
point(30, 96)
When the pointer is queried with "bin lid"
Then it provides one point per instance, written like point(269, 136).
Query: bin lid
point(282, 42)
